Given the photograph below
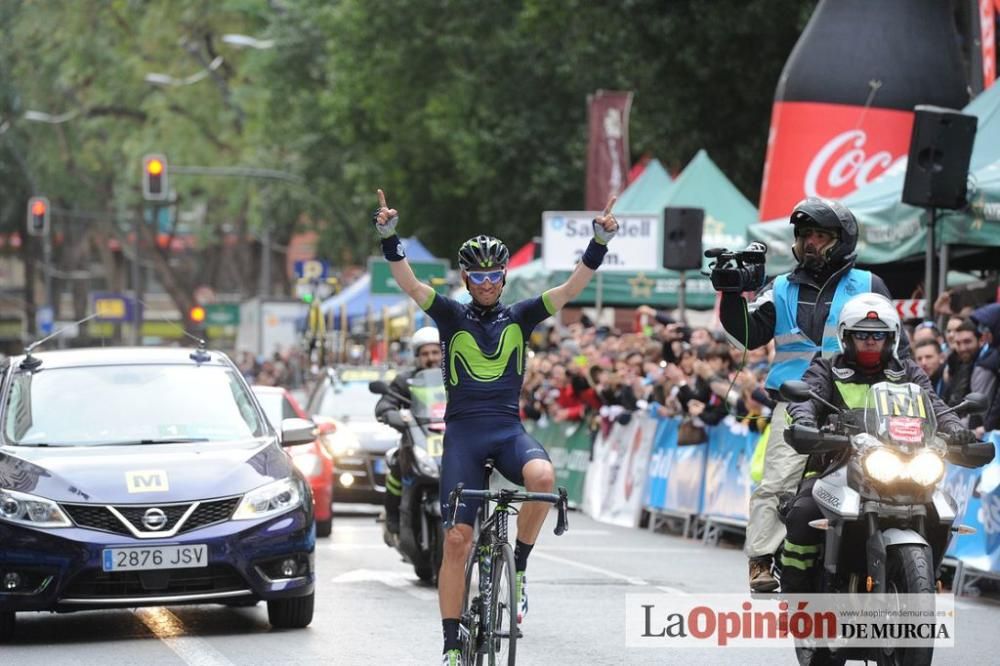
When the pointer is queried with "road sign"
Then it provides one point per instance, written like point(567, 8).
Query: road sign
point(222, 314)
point(43, 319)
point(312, 269)
point(911, 308)
point(110, 306)
point(429, 272)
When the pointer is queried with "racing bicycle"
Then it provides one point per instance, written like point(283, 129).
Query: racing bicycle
point(488, 624)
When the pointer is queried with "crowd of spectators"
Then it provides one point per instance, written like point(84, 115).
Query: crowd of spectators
point(601, 375)
point(288, 368)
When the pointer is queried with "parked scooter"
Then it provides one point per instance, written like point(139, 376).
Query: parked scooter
point(888, 522)
point(421, 426)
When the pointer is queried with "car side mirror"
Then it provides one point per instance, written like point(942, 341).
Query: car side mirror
point(378, 386)
point(795, 390)
point(297, 431)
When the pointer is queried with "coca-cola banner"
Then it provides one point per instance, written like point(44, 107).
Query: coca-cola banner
point(987, 29)
point(828, 150)
point(607, 149)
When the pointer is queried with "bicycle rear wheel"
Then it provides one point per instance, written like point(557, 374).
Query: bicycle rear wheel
point(501, 632)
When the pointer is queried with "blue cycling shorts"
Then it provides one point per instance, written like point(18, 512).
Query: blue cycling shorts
point(467, 445)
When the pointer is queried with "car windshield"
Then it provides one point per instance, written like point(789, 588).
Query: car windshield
point(346, 402)
point(129, 404)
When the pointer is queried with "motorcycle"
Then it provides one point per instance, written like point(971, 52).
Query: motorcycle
point(421, 428)
point(888, 522)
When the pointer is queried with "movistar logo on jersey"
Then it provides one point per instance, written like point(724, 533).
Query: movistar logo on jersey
point(479, 365)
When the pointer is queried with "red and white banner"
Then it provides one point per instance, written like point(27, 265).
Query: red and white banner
point(607, 148)
point(911, 308)
point(828, 150)
point(987, 33)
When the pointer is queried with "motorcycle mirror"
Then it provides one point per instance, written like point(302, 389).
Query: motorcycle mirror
point(394, 419)
point(977, 403)
point(795, 390)
point(378, 386)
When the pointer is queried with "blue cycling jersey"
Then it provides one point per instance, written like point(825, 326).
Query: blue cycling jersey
point(483, 353)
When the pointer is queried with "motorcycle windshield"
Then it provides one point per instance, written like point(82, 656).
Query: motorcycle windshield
point(429, 396)
point(900, 414)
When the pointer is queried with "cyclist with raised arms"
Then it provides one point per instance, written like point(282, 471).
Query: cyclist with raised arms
point(483, 345)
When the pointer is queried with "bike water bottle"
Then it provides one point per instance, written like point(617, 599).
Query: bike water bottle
point(843, 108)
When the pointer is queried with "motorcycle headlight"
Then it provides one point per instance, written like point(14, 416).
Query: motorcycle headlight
point(270, 500)
point(308, 463)
point(31, 510)
point(883, 465)
point(425, 463)
point(926, 468)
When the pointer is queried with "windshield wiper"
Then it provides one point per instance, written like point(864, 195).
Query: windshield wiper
point(163, 440)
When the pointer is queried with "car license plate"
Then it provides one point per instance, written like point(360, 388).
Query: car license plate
point(156, 557)
point(380, 465)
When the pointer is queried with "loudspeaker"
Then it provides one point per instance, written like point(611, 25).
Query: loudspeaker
point(938, 165)
point(682, 229)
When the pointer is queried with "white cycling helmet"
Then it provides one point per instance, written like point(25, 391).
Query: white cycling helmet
point(428, 335)
point(869, 312)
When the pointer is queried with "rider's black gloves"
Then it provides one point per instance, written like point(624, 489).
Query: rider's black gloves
point(958, 435)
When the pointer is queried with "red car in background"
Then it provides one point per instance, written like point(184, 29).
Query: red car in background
point(313, 459)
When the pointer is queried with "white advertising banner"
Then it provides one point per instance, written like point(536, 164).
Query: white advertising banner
point(637, 247)
point(615, 485)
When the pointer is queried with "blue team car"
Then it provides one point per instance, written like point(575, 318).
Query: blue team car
point(147, 477)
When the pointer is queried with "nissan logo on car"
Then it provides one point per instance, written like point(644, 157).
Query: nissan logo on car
point(154, 519)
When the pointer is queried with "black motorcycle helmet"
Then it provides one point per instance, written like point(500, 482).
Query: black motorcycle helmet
point(830, 216)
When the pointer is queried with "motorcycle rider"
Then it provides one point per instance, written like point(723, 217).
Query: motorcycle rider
point(798, 310)
point(869, 333)
point(485, 351)
point(426, 346)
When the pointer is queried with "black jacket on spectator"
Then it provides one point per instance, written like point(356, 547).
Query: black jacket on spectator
point(978, 375)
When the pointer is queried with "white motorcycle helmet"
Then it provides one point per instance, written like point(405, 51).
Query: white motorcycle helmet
point(428, 335)
point(869, 312)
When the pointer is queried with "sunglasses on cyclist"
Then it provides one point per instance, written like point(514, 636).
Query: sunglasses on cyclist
point(480, 277)
point(865, 335)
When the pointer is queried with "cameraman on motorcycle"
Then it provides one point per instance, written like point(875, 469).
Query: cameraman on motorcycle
point(799, 311)
point(426, 346)
point(868, 334)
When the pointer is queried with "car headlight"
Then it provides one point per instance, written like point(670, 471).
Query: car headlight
point(425, 463)
point(270, 500)
point(883, 465)
point(31, 510)
point(308, 463)
point(344, 443)
point(926, 468)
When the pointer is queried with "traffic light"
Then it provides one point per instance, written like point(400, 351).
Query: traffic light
point(154, 177)
point(38, 216)
point(196, 315)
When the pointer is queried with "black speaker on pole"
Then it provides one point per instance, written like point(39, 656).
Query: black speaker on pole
point(938, 164)
point(682, 228)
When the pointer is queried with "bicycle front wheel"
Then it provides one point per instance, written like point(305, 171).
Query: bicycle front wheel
point(501, 634)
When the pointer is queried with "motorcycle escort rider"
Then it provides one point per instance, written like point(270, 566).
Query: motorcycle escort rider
point(869, 335)
point(426, 346)
point(483, 345)
point(798, 310)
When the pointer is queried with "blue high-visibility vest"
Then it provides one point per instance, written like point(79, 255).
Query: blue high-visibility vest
point(793, 350)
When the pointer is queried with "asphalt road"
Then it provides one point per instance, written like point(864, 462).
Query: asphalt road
point(371, 609)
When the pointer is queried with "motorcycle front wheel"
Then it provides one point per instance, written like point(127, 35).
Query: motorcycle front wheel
point(908, 571)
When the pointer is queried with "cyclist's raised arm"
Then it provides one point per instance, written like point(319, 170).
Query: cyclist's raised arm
point(385, 220)
point(605, 227)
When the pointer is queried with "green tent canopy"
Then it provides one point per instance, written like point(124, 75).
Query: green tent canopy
point(702, 185)
point(892, 231)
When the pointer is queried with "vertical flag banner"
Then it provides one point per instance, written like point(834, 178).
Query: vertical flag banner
point(607, 148)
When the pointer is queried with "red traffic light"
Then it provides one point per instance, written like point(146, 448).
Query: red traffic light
point(197, 314)
point(38, 216)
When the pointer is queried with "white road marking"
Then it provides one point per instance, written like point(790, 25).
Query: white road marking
point(631, 580)
point(168, 628)
point(396, 579)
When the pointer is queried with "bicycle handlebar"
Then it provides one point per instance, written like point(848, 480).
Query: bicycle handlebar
point(508, 497)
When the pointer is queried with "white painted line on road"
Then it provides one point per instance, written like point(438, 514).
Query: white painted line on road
point(351, 546)
point(631, 580)
point(394, 579)
point(192, 650)
point(624, 549)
